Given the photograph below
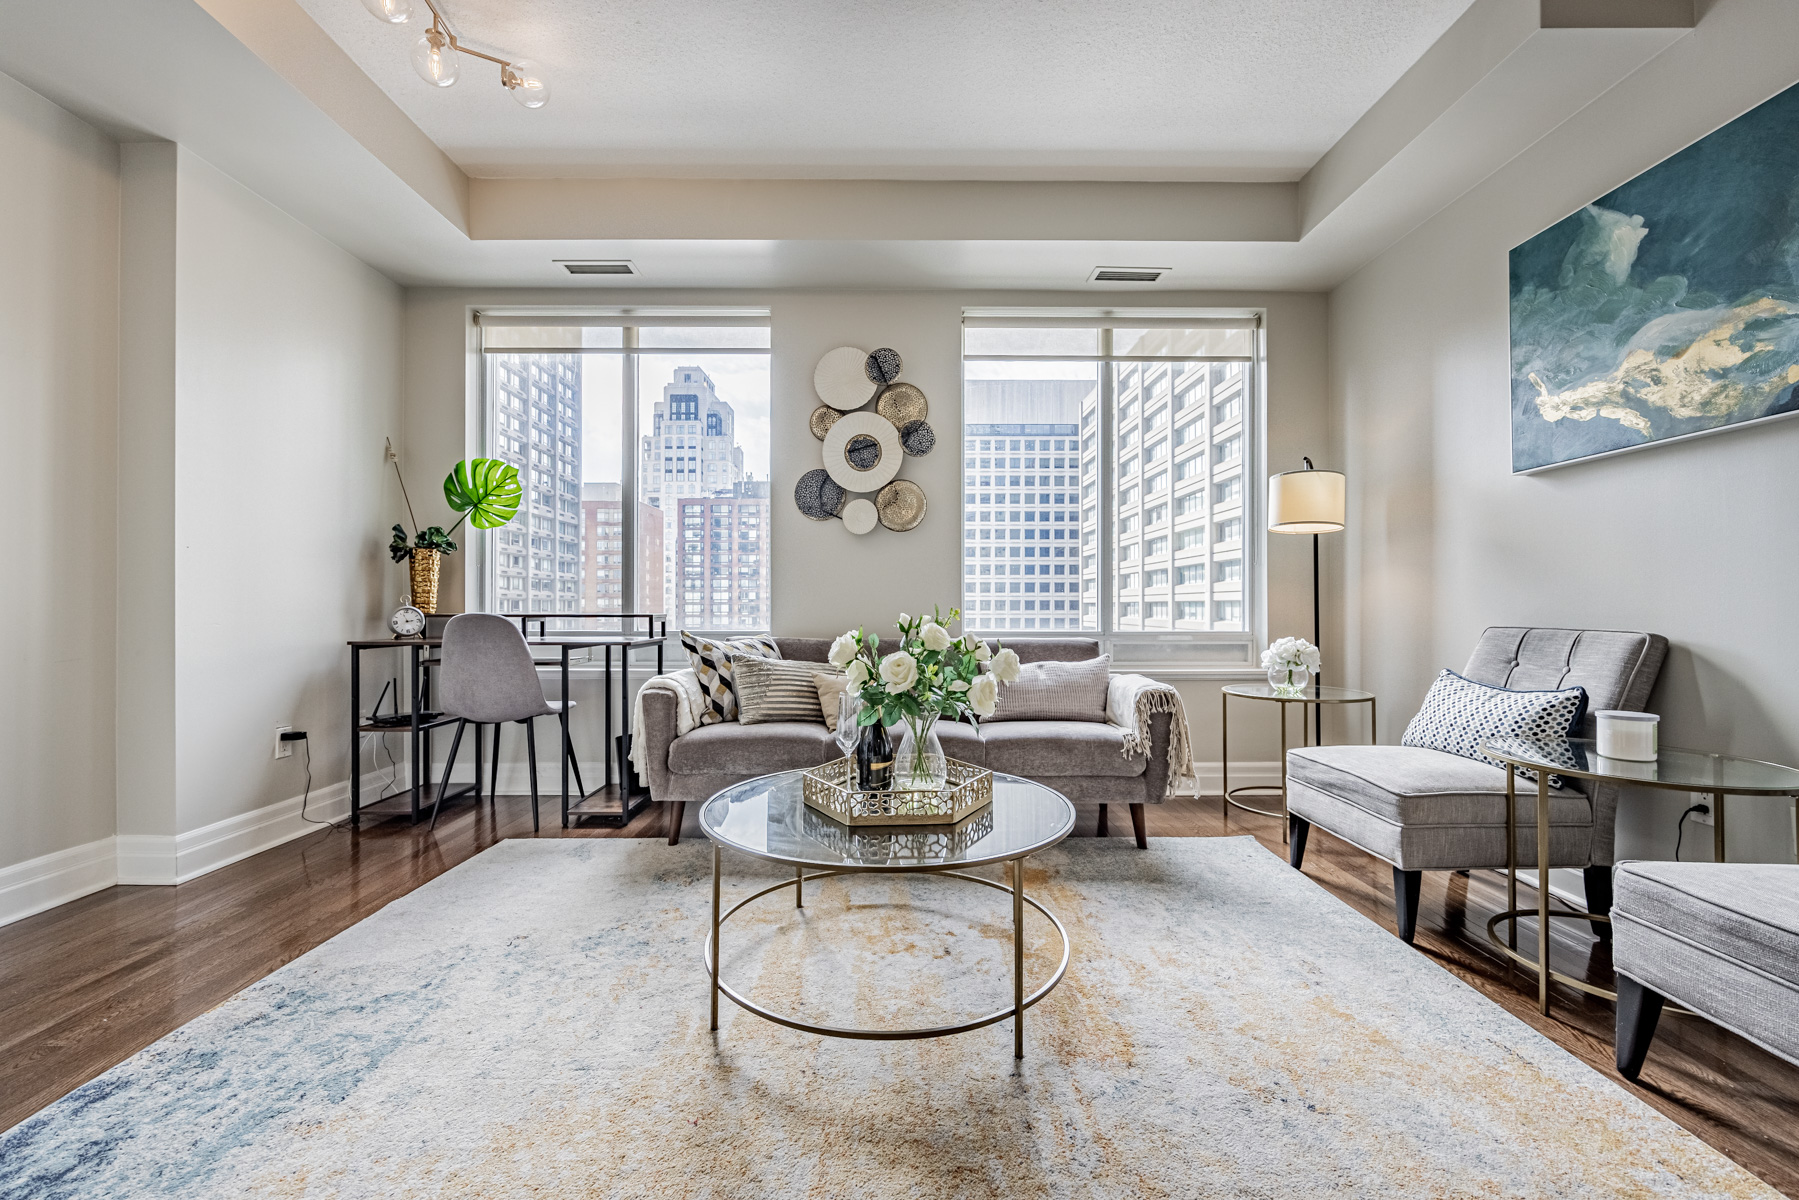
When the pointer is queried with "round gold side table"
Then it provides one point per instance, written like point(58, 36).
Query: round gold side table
point(1314, 695)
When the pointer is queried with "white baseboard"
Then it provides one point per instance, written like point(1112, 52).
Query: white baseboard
point(515, 777)
point(57, 878)
point(1243, 774)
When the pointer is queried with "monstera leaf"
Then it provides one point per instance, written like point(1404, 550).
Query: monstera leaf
point(485, 490)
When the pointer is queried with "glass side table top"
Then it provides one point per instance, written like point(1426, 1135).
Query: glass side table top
point(1675, 769)
point(768, 817)
point(1315, 694)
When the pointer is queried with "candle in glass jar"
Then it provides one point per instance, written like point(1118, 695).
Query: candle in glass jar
point(1627, 735)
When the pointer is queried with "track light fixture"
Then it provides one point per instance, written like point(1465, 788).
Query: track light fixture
point(435, 54)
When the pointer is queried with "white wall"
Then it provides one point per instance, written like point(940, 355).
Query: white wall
point(824, 578)
point(59, 291)
point(1691, 540)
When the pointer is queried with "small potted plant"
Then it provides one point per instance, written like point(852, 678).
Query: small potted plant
point(1290, 663)
point(485, 491)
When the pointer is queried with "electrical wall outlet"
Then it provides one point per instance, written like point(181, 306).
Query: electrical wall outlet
point(283, 749)
point(1702, 818)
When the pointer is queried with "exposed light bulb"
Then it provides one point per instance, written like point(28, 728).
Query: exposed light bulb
point(394, 12)
point(434, 60)
point(525, 81)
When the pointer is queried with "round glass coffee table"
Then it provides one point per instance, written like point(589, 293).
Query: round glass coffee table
point(767, 818)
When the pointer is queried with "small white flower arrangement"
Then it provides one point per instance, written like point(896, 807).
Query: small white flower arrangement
point(1290, 663)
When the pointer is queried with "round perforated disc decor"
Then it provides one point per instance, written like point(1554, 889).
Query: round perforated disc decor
point(862, 437)
point(917, 438)
point(859, 516)
point(902, 404)
point(817, 495)
point(840, 380)
point(900, 505)
point(883, 366)
point(823, 417)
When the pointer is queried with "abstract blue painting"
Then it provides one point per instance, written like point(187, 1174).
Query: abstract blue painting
point(1667, 308)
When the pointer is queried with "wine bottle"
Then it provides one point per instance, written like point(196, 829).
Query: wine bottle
point(874, 758)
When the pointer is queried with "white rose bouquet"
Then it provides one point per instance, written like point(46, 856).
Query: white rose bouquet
point(1287, 659)
point(932, 674)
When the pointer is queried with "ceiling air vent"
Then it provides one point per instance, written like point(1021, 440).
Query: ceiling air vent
point(1127, 274)
point(584, 267)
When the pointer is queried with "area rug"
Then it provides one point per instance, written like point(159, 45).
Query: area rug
point(534, 1023)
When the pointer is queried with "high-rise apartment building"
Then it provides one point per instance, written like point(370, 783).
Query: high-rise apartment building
point(720, 543)
point(603, 553)
point(1022, 537)
point(536, 406)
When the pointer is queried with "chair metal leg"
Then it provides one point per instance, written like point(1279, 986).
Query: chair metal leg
point(576, 764)
point(531, 759)
point(493, 786)
point(1639, 1009)
point(450, 765)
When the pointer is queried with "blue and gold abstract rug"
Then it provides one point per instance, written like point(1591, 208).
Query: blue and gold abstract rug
point(534, 1024)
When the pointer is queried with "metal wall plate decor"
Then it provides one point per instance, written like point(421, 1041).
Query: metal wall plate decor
point(830, 788)
point(860, 517)
point(841, 381)
point(901, 505)
point(817, 495)
point(902, 404)
point(882, 366)
point(917, 438)
point(823, 417)
point(888, 455)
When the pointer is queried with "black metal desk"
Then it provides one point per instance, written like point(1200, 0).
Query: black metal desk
point(417, 799)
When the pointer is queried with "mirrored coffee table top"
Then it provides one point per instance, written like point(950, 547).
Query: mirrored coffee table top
point(1315, 694)
point(1673, 768)
point(768, 817)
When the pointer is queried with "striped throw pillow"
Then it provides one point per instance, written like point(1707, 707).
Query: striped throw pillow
point(713, 663)
point(779, 689)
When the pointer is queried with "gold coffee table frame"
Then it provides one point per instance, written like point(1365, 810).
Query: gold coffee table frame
point(1674, 770)
point(1316, 695)
point(1012, 857)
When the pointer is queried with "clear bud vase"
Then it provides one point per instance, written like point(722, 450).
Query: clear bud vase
point(1289, 680)
point(919, 764)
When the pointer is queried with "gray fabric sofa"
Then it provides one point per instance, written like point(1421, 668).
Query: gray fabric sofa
point(1423, 810)
point(1084, 760)
point(1720, 938)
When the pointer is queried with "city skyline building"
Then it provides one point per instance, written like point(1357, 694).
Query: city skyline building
point(603, 559)
point(721, 578)
point(537, 558)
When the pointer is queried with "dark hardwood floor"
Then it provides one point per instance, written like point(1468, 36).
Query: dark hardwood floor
point(86, 985)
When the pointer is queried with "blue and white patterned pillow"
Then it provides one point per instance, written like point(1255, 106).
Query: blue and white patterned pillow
point(1459, 714)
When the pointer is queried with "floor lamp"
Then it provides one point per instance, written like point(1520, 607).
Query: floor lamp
point(1308, 501)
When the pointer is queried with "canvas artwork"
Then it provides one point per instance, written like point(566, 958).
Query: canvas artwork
point(1667, 308)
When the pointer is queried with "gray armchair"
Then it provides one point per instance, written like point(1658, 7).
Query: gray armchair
point(1423, 810)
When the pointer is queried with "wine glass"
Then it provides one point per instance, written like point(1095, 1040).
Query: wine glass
point(849, 707)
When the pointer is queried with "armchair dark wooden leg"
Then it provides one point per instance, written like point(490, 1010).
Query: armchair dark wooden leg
point(676, 810)
point(1139, 824)
point(1599, 898)
point(531, 760)
point(449, 765)
point(1639, 1009)
point(1406, 885)
point(1297, 829)
point(1100, 831)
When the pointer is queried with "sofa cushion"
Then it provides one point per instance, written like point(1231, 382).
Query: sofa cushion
point(778, 689)
point(1059, 749)
point(1413, 785)
point(962, 741)
point(711, 661)
point(1056, 691)
point(730, 748)
point(1748, 912)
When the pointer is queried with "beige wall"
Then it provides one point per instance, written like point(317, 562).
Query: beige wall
point(1692, 540)
point(826, 579)
point(59, 293)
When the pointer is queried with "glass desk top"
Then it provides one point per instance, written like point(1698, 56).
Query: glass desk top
point(1676, 769)
point(1315, 694)
point(768, 817)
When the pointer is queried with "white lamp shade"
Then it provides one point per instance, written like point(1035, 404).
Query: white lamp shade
point(1306, 502)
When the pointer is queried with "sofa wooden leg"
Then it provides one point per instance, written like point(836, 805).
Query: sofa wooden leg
point(1598, 882)
point(1297, 829)
point(676, 811)
point(1101, 830)
point(1406, 885)
point(1639, 1009)
point(1140, 824)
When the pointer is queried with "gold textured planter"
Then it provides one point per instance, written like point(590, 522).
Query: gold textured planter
point(425, 565)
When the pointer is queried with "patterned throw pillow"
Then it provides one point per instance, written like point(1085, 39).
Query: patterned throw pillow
point(778, 689)
point(1459, 714)
point(712, 663)
point(1057, 691)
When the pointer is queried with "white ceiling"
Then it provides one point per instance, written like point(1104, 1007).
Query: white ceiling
point(970, 89)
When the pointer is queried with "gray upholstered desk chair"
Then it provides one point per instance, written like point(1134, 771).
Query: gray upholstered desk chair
point(1424, 810)
point(489, 677)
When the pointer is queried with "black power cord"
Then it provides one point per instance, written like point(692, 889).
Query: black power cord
point(1681, 828)
point(299, 735)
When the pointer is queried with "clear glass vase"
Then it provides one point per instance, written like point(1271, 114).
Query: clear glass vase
point(1289, 680)
point(918, 762)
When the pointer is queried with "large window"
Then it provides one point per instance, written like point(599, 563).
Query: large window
point(1104, 462)
point(642, 442)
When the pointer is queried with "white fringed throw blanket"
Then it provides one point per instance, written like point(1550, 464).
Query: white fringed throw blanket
point(690, 702)
point(1131, 700)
